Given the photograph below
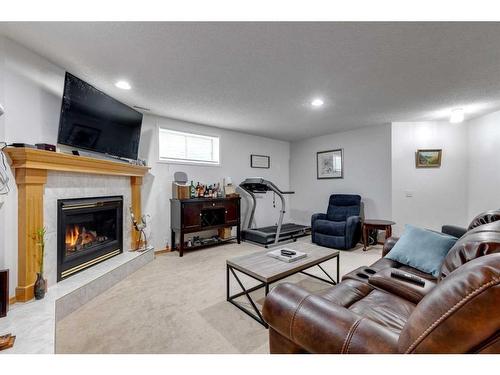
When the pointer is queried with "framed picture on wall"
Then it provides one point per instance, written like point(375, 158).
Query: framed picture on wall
point(260, 161)
point(330, 164)
point(428, 158)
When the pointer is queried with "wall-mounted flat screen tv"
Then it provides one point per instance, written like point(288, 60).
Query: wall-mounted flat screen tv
point(94, 121)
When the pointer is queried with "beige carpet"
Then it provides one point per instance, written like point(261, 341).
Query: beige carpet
point(178, 305)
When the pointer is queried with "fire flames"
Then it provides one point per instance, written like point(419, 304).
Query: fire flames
point(72, 235)
point(77, 236)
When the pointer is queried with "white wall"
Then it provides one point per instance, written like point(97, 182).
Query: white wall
point(31, 90)
point(439, 195)
point(367, 172)
point(235, 151)
point(484, 164)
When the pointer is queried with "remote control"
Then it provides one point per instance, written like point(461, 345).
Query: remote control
point(408, 277)
point(288, 253)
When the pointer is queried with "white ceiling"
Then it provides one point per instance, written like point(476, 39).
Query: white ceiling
point(260, 77)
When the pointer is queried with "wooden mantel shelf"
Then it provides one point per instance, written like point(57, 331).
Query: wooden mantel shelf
point(31, 166)
point(55, 161)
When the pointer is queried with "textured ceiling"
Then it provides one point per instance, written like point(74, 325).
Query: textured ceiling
point(259, 77)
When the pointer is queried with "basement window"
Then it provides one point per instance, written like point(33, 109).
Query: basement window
point(189, 148)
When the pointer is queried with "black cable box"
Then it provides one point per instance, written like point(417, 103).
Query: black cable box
point(45, 146)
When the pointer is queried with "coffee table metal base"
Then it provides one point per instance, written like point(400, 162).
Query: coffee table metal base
point(255, 313)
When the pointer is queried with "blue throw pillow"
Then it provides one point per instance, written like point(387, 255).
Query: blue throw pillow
point(422, 249)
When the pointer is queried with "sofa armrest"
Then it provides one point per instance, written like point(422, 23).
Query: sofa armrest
point(453, 230)
point(405, 289)
point(321, 326)
point(388, 245)
point(315, 217)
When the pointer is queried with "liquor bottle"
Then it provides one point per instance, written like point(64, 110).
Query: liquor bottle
point(210, 191)
point(198, 187)
point(192, 191)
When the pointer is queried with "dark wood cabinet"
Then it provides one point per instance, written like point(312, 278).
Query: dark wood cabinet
point(200, 214)
point(4, 292)
point(232, 213)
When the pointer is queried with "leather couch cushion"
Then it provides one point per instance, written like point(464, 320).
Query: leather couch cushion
point(484, 218)
point(346, 293)
point(385, 309)
point(332, 228)
point(388, 310)
point(475, 243)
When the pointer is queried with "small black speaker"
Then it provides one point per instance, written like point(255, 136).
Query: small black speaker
point(4, 292)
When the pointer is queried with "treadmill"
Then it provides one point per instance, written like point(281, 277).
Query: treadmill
point(272, 235)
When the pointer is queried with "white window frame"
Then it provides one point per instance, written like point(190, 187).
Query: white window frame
point(187, 161)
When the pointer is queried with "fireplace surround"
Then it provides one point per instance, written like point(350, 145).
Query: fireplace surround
point(32, 168)
point(89, 231)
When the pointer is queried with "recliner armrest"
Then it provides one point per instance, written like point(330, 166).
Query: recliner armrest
point(352, 229)
point(405, 289)
point(315, 217)
point(388, 245)
point(353, 221)
point(321, 326)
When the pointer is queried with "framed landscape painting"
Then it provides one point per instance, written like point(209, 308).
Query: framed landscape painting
point(329, 164)
point(428, 158)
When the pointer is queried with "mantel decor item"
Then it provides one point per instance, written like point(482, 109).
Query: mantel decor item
point(260, 161)
point(428, 158)
point(40, 283)
point(330, 164)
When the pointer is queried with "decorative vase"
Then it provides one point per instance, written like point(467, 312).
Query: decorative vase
point(40, 286)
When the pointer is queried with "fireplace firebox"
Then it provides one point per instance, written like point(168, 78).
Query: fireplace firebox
point(89, 231)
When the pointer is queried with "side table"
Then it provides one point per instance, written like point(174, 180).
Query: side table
point(368, 224)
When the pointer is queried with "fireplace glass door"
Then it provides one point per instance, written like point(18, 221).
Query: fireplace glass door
point(89, 231)
point(86, 231)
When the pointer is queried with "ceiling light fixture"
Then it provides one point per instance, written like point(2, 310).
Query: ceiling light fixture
point(124, 85)
point(457, 116)
point(317, 102)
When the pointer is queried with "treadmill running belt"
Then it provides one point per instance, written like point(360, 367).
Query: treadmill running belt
point(266, 235)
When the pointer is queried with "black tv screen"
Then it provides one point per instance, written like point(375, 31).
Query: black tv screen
point(95, 121)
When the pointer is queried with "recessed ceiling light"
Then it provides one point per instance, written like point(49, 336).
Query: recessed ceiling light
point(124, 85)
point(457, 116)
point(317, 102)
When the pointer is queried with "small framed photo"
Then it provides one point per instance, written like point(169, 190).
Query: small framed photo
point(428, 158)
point(260, 161)
point(330, 164)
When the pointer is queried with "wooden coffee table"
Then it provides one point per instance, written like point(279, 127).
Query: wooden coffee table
point(267, 270)
point(385, 225)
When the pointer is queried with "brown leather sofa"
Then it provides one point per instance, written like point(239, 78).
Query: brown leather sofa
point(372, 312)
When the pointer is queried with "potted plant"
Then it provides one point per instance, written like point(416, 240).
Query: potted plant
point(40, 283)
